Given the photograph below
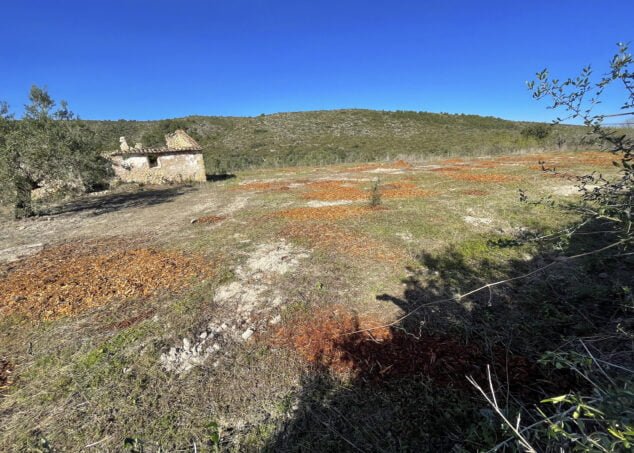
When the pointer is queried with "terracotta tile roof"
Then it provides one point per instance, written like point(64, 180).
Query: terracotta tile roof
point(176, 142)
point(159, 150)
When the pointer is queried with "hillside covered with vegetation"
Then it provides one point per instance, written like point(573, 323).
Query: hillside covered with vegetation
point(338, 136)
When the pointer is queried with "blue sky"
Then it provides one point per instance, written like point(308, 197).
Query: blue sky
point(155, 59)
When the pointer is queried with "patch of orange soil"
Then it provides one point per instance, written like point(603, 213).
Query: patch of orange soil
point(341, 240)
point(326, 212)
point(72, 278)
point(210, 219)
point(331, 339)
point(6, 371)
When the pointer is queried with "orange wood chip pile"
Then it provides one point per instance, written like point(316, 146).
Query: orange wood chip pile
point(71, 278)
point(343, 190)
point(210, 219)
point(341, 240)
point(325, 339)
point(403, 190)
point(329, 190)
point(480, 177)
point(326, 212)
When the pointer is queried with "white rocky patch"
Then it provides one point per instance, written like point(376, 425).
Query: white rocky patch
point(478, 221)
point(248, 299)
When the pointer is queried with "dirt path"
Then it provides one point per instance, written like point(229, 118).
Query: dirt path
point(158, 214)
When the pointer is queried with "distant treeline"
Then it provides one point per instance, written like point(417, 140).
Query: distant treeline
point(327, 137)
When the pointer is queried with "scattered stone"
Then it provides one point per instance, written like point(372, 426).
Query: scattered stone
point(247, 334)
point(478, 221)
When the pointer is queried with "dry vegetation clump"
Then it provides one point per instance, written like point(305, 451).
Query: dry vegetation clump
point(71, 278)
point(6, 370)
point(336, 340)
point(335, 238)
point(326, 212)
point(210, 219)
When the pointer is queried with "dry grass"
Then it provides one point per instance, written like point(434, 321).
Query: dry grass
point(71, 278)
point(474, 192)
point(335, 238)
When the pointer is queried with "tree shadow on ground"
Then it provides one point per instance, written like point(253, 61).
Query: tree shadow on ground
point(104, 204)
point(406, 388)
point(221, 177)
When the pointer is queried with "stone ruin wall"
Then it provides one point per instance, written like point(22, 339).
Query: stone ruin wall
point(171, 167)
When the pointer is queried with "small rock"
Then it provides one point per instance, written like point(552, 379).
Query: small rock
point(276, 320)
point(186, 344)
point(247, 334)
point(193, 221)
point(216, 347)
point(203, 335)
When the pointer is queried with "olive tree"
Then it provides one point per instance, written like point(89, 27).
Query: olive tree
point(609, 199)
point(49, 145)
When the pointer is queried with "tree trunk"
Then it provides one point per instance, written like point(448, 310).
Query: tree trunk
point(23, 205)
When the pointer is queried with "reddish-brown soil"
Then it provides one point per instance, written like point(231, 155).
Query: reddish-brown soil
point(71, 278)
point(325, 339)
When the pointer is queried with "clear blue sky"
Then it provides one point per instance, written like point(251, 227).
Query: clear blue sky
point(138, 59)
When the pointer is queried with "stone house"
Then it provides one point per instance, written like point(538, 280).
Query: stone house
point(180, 160)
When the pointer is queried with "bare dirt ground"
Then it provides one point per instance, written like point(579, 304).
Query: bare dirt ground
point(202, 320)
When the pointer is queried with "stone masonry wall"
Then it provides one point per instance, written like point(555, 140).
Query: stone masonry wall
point(171, 167)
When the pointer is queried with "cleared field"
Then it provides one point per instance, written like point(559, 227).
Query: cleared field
point(267, 311)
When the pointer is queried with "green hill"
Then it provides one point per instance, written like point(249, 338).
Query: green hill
point(325, 137)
